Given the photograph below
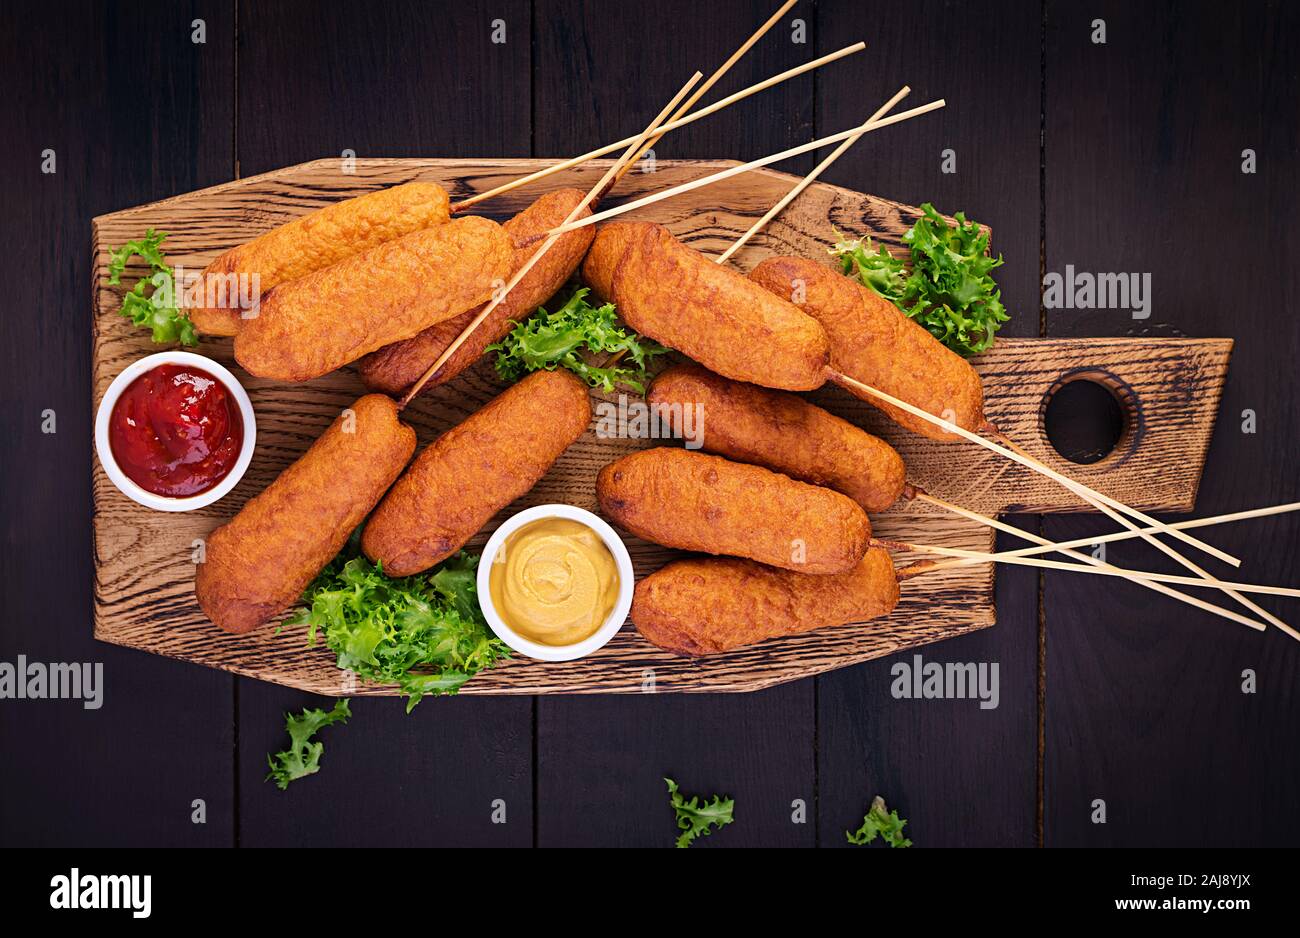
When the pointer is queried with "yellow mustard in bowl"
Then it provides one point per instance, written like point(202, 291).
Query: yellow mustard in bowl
point(554, 581)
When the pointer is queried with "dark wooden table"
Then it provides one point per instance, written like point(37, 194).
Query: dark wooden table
point(1122, 156)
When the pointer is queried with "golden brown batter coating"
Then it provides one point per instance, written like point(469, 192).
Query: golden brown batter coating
point(679, 297)
point(258, 563)
point(310, 326)
point(394, 368)
point(781, 431)
point(875, 343)
point(703, 606)
point(694, 501)
point(474, 470)
point(319, 239)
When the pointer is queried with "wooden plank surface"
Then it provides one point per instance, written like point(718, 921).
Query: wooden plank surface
point(1144, 141)
point(128, 772)
point(144, 584)
point(961, 775)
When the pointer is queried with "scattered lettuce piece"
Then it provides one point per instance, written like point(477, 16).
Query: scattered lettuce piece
point(695, 819)
point(950, 290)
point(424, 633)
point(877, 823)
point(559, 339)
point(157, 309)
point(302, 758)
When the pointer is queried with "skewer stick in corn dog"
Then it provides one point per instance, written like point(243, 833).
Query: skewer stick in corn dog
point(746, 167)
point(675, 124)
point(980, 556)
point(550, 240)
point(1103, 503)
point(808, 180)
point(703, 89)
point(1050, 546)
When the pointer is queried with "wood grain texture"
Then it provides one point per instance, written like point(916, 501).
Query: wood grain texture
point(1144, 148)
point(144, 571)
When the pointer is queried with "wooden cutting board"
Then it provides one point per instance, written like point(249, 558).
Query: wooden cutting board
point(144, 574)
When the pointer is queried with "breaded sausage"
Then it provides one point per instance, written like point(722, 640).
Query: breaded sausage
point(474, 470)
point(316, 240)
point(781, 431)
point(875, 343)
point(677, 296)
point(310, 326)
point(259, 562)
point(704, 503)
point(394, 368)
point(703, 606)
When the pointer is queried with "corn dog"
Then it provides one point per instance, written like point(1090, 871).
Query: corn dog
point(704, 503)
point(703, 606)
point(474, 470)
point(310, 326)
point(394, 368)
point(313, 242)
point(258, 563)
point(782, 432)
point(677, 296)
point(875, 343)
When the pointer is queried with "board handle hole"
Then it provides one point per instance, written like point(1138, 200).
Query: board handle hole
point(1089, 414)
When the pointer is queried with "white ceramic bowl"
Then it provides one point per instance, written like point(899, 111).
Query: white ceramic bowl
point(622, 561)
point(164, 502)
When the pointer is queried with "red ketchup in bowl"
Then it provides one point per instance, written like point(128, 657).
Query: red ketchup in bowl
point(176, 431)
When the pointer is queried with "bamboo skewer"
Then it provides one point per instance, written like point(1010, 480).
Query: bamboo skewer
point(540, 252)
point(1086, 558)
point(737, 170)
point(979, 556)
point(808, 180)
point(703, 89)
point(1087, 494)
point(1049, 546)
point(1105, 505)
point(673, 125)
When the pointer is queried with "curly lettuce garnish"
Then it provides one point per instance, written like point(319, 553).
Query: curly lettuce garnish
point(878, 823)
point(424, 633)
point(157, 309)
point(302, 758)
point(695, 819)
point(562, 338)
point(950, 290)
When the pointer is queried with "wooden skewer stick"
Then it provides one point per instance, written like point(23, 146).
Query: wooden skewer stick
point(540, 252)
point(1103, 503)
point(979, 556)
point(808, 180)
point(1086, 558)
point(703, 89)
point(737, 170)
point(674, 125)
point(1050, 546)
point(1108, 507)
point(1087, 494)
